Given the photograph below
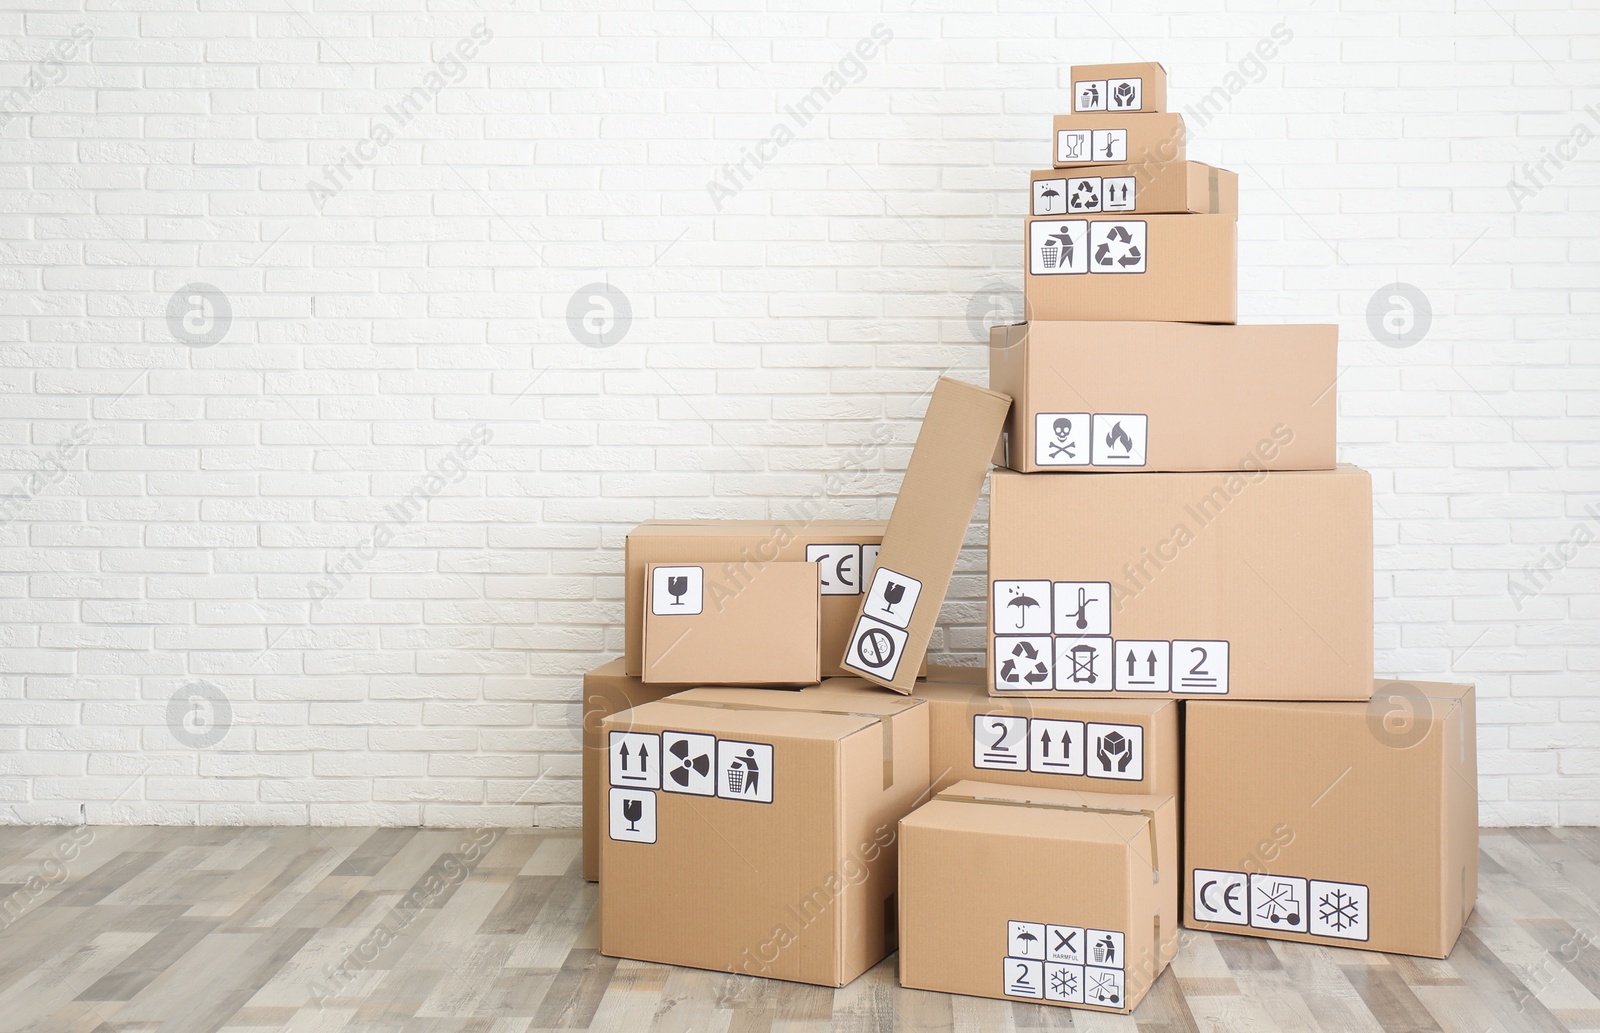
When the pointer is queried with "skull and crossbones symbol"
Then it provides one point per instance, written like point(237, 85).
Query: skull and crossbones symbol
point(1062, 446)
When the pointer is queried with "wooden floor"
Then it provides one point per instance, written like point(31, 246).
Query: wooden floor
point(202, 929)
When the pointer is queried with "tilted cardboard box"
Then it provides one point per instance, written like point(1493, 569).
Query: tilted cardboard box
point(1129, 86)
point(1170, 268)
point(1166, 397)
point(1118, 138)
point(1091, 745)
point(900, 609)
point(844, 550)
point(759, 629)
point(1039, 895)
point(1346, 824)
point(1142, 189)
point(757, 833)
point(1246, 585)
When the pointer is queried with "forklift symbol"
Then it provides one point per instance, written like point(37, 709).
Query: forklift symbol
point(1279, 905)
point(1083, 660)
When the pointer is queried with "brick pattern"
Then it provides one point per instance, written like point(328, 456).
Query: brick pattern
point(344, 560)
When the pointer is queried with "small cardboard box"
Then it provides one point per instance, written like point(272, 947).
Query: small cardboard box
point(845, 551)
point(765, 843)
point(1170, 268)
point(1166, 397)
point(1131, 86)
point(1246, 585)
point(1091, 745)
point(1040, 895)
point(1345, 824)
point(761, 629)
point(1170, 187)
point(954, 449)
point(1118, 139)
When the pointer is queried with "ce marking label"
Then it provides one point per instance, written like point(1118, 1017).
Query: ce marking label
point(842, 567)
point(1221, 897)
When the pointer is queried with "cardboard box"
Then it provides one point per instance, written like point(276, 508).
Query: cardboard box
point(1171, 268)
point(1245, 585)
point(607, 690)
point(958, 441)
point(767, 844)
point(1118, 139)
point(1090, 745)
point(1039, 895)
point(761, 629)
point(846, 551)
point(1345, 824)
point(1187, 396)
point(1142, 189)
point(1132, 86)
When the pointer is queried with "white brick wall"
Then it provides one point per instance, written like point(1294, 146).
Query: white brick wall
point(405, 335)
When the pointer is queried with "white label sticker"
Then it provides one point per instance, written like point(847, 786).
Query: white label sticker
point(677, 591)
point(869, 561)
point(1200, 665)
point(1121, 193)
point(1105, 948)
point(1084, 195)
point(1090, 94)
point(1125, 94)
point(635, 759)
point(893, 597)
point(632, 817)
point(1103, 986)
point(1063, 983)
point(1116, 751)
point(1064, 944)
point(1024, 978)
point(1057, 247)
point(1117, 247)
point(1022, 607)
point(689, 759)
point(1074, 145)
point(838, 568)
point(1221, 897)
point(1061, 439)
point(1022, 662)
point(1050, 197)
point(1025, 939)
point(744, 770)
point(1055, 747)
point(1120, 439)
point(1339, 909)
point(1278, 902)
point(1110, 144)
point(1000, 742)
point(1143, 665)
point(1083, 664)
point(1082, 608)
point(876, 648)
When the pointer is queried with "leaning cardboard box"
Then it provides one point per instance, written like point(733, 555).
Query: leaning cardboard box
point(1345, 824)
point(759, 628)
point(1039, 895)
point(1127, 86)
point(1172, 268)
point(1091, 745)
point(1166, 397)
point(752, 831)
point(1117, 138)
point(1172, 187)
point(1250, 585)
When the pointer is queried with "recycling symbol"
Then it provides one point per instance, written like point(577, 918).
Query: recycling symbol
point(1126, 252)
point(1014, 672)
point(1085, 197)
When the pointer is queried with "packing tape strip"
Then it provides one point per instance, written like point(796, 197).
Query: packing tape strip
point(1216, 192)
point(1130, 812)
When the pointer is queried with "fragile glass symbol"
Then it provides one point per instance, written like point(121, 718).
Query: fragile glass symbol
point(893, 592)
point(678, 587)
point(632, 811)
point(1074, 142)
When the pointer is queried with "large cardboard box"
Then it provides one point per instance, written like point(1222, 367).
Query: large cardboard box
point(761, 629)
point(1346, 824)
point(765, 844)
point(1166, 397)
point(1039, 895)
point(1176, 187)
point(1171, 268)
point(1129, 86)
point(607, 690)
point(1118, 138)
point(1246, 585)
point(845, 551)
point(955, 446)
point(1091, 745)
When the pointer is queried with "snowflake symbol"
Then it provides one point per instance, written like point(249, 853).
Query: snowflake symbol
point(1062, 982)
point(1340, 910)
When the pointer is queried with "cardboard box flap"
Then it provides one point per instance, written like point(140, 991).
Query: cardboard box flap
point(900, 609)
point(1127, 818)
point(723, 528)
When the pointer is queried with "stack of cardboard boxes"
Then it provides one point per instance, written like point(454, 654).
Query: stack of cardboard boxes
point(1178, 723)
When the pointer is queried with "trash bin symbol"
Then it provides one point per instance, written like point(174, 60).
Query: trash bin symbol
point(1050, 254)
point(736, 779)
point(1083, 657)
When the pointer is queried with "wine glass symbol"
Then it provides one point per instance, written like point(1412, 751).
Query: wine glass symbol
point(632, 811)
point(893, 592)
point(678, 587)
